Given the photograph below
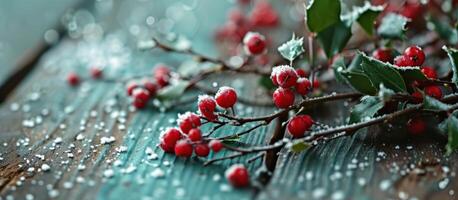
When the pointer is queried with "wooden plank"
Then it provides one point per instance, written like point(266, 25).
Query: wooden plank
point(58, 112)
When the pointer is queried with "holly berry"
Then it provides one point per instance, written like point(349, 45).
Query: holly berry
point(73, 79)
point(411, 10)
point(130, 87)
point(415, 54)
point(167, 148)
point(139, 104)
point(429, 72)
point(301, 73)
point(183, 148)
point(316, 83)
point(188, 121)
point(169, 138)
point(434, 91)
point(141, 94)
point(299, 124)
point(162, 75)
point(195, 135)
point(417, 97)
point(202, 150)
point(263, 15)
point(284, 76)
point(216, 145)
point(207, 106)
point(383, 54)
point(150, 86)
point(403, 61)
point(238, 176)
point(416, 126)
point(96, 72)
point(303, 86)
point(283, 97)
point(254, 43)
point(226, 97)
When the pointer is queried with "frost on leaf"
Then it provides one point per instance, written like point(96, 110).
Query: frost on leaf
point(393, 26)
point(292, 49)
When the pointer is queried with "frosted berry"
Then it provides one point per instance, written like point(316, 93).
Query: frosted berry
point(140, 94)
point(383, 54)
point(73, 79)
point(303, 86)
point(254, 43)
point(283, 97)
point(183, 148)
point(96, 72)
point(284, 75)
point(188, 121)
point(416, 126)
point(301, 73)
point(403, 61)
point(429, 72)
point(434, 91)
point(195, 135)
point(171, 136)
point(202, 150)
point(237, 175)
point(162, 75)
point(226, 97)
point(415, 54)
point(298, 125)
point(150, 86)
point(207, 106)
point(130, 87)
point(216, 145)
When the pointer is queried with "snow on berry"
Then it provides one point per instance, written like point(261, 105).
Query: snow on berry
point(183, 148)
point(226, 97)
point(207, 106)
point(73, 79)
point(285, 76)
point(188, 121)
point(303, 86)
point(283, 97)
point(150, 86)
point(298, 125)
point(131, 86)
point(140, 94)
point(403, 61)
point(237, 175)
point(254, 43)
point(216, 145)
point(429, 72)
point(162, 74)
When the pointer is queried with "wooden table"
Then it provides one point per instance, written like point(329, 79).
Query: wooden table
point(86, 143)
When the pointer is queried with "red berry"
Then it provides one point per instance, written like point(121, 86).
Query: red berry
point(429, 72)
point(150, 86)
point(140, 94)
point(188, 121)
point(283, 97)
point(238, 176)
point(183, 148)
point(254, 43)
point(383, 54)
point(216, 145)
point(139, 103)
point(167, 148)
point(303, 86)
point(434, 91)
point(263, 15)
point(316, 83)
point(226, 97)
point(418, 97)
point(162, 75)
point(207, 106)
point(416, 126)
point(171, 136)
point(403, 61)
point(73, 79)
point(299, 124)
point(284, 75)
point(202, 150)
point(411, 10)
point(415, 54)
point(96, 72)
point(236, 16)
point(301, 73)
point(195, 135)
point(130, 87)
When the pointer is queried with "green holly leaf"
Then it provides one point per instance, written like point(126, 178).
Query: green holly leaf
point(192, 67)
point(393, 26)
point(453, 55)
point(430, 103)
point(173, 91)
point(360, 82)
point(338, 66)
point(382, 73)
point(368, 107)
point(335, 37)
point(292, 49)
point(266, 83)
point(365, 16)
point(320, 14)
point(445, 31)
point(299, 146)
point(385, 94)
point(452, 127)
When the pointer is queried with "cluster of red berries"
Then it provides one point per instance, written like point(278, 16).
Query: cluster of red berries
point(288, 78)
point(186, 139)
point(413, 56)
point(298, 125)
point(262, 15)
point(142, 91)
point(411, 9)
point(74, 79)
point(226, 97)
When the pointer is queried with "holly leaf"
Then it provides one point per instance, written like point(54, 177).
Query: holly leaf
point(360, 82)
point(339, 66)
point(452, 127)
point(430, 103)
point(382, 73)
point(173, 91)
point(320, 14)
point(453, 55)
point(365, 16)
point(385, 94)
point(292, 49)
point(335, 37)
point(445, 31)
point(191, 68)
point(266, 83)
point(368, 107)
point(299, 146)
point(393, 26)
